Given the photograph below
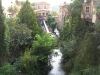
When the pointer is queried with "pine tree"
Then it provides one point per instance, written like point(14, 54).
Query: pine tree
point(27, 16)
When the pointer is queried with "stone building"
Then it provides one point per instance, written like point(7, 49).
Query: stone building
point(89, 12)
point(42, 9)
point(62, 12)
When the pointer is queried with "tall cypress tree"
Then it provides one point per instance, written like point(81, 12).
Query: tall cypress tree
point(27, 16)
point(2, 29)
point(4, 37)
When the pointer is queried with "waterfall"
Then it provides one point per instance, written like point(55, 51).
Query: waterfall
point(47, 30)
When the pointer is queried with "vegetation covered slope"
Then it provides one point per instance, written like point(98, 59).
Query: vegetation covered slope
point(80, 43)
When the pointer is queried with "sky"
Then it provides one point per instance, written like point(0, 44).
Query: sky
point(52, 2)
point(7, 3)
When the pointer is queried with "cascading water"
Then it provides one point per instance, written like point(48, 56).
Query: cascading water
point(46, 27)
point(56, 59)
point(56, 63)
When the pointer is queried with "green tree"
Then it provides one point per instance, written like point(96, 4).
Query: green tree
point(4, 37)
point(65, 32)
point(54, 13)
point(53, 25)
point(7, 69)
point(28, 64)
point(1, 25)
point(28, 17)
point(75, 8)
point(73, 35)
point(51, 22)
point(42, 47)
point(80, 46)
point(98, 10)
point(50, 19)
point(20, 36)
point(35, 60)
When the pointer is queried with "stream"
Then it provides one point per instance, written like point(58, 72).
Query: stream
point(56, 57)
point(56, 63)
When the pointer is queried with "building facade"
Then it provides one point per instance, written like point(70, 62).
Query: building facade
point(42, 9)
point(89, 11)
point(62, 12)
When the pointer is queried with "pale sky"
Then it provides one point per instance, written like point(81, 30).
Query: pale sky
point(7, 3)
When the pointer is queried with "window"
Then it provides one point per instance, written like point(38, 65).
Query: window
point(45, 7)
point(38, 7)
point(87, 9)
point(43, 14)
point(46, 13)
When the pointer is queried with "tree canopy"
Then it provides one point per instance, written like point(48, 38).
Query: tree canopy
point(52, 22)
point(28, 17)
point(98, 9)
point(54, 13)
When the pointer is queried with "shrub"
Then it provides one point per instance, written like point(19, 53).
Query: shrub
point(28, 63)
point(7, 69)
point(20, 36)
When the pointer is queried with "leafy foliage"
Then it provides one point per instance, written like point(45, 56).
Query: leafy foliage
point(42, 47)
point(66, 30)
point(7, 69)
point(43, 44)
point(4, 37)
point(35, 60)
point(98, 9)
point(17, 35)
point(28, 63)
point(52, 22)
point(50, 19)
point(53, 25)
point(80, 45)
point(2, 29)
point(7, 38)
point(54, 13)
point(28, 17)
point(75, 8)
point(20, 36)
